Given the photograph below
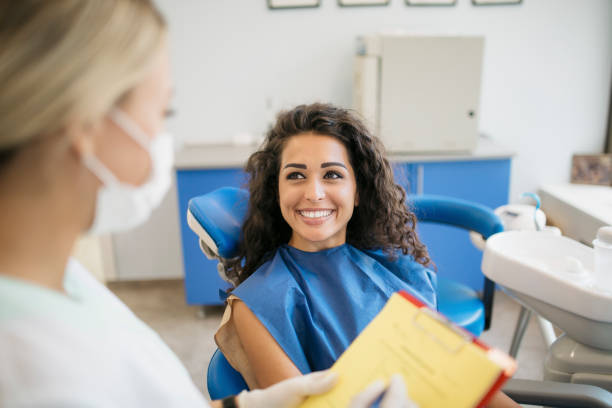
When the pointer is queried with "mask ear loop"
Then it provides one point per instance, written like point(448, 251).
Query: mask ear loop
point(125, 123)
point(130, 127)
point(100, 170)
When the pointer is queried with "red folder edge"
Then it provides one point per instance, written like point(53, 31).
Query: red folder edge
point(502, 376)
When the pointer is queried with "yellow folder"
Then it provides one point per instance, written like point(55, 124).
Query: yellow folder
point(442, 365)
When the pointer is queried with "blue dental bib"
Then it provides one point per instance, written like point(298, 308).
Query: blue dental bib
point(315, 304)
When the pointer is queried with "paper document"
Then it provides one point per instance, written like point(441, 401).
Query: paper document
point(442, 365)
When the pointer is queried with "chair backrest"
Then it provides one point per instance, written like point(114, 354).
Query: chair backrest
point(464, 214)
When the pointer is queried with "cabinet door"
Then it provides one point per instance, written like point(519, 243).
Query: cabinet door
point(202, 282)
point(484, 181)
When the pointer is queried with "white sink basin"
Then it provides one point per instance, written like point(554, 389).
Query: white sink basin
point(555, 274)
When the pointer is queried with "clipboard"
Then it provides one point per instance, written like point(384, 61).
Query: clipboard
point(442, 364)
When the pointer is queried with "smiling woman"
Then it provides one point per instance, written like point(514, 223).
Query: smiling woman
point(328, 238)
point(317, 262)
point(332, 135)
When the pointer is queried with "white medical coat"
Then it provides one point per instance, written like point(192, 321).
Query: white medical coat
point(84, 348)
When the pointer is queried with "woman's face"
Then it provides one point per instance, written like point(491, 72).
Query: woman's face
point(317, 191)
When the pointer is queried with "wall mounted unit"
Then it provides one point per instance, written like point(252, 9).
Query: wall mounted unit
point(420, 93)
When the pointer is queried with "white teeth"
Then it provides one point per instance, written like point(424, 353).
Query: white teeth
point(315, 214)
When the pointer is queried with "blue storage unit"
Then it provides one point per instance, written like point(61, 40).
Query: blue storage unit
point(484, 181)
point(202, 282)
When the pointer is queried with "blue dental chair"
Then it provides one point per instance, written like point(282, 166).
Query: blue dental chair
point(217, 218)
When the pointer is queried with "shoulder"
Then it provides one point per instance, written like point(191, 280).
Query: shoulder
point(80, 283)
point(395, 259)
point(420, 278)
point(272, 273)
point(269, 292)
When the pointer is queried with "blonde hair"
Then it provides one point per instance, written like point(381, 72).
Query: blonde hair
point(70, 61)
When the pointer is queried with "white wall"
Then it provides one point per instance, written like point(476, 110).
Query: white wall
point(545, 87)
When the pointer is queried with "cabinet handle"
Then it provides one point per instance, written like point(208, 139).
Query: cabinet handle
point(420, 179)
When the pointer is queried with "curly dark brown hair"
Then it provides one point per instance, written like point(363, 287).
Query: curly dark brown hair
point(383, 220)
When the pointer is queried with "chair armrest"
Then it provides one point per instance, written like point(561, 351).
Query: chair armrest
point(557, 394)
point(454, 211)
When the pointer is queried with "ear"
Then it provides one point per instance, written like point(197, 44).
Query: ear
point(82, 139)
point(356, 198)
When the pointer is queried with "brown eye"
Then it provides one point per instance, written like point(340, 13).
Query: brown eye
point(332, 175)
point(295, 176)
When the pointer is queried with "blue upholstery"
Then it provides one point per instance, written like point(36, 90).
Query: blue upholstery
point(454, 211)
point(222, 380)
point(222, 212)
point(459, 303)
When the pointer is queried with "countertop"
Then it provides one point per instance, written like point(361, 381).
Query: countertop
point(211, 156)
point(578, 210)
point(596, 201)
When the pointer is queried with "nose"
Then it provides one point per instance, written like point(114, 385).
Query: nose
point(315, 190)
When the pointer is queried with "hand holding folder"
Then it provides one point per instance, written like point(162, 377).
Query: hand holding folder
point(442, 365)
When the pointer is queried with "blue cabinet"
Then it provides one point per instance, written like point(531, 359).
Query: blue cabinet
point(202, 282)
point(483, 181)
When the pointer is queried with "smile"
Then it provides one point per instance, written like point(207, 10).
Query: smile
point(313, 214)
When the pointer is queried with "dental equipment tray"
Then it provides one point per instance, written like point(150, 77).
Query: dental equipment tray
point(553, 275)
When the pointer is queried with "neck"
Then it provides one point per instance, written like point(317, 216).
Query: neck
point(40, 260)
point(305, 245)
point(42, 215)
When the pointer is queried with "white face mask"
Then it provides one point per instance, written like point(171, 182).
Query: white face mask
point(121, 206)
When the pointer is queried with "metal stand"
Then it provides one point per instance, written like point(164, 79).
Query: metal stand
point(201, 312)
point(546, 327)
point(519, 331)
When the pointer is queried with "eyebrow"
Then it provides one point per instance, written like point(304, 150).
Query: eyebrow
point(297, 165)
point(323, 165)
point(330, 164)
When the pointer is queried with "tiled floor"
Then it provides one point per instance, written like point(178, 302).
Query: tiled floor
point(189, 332)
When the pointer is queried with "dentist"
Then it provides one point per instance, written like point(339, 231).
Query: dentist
point(85, 90)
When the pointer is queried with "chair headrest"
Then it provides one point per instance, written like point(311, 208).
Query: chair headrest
point(217, 218)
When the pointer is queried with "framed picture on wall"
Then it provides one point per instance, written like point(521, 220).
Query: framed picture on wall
point(350, 3)
point(494, 2)
point(431, 2)
point(288, 4)
point(592, 169)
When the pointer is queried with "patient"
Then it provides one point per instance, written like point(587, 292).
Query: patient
point(327, 239)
